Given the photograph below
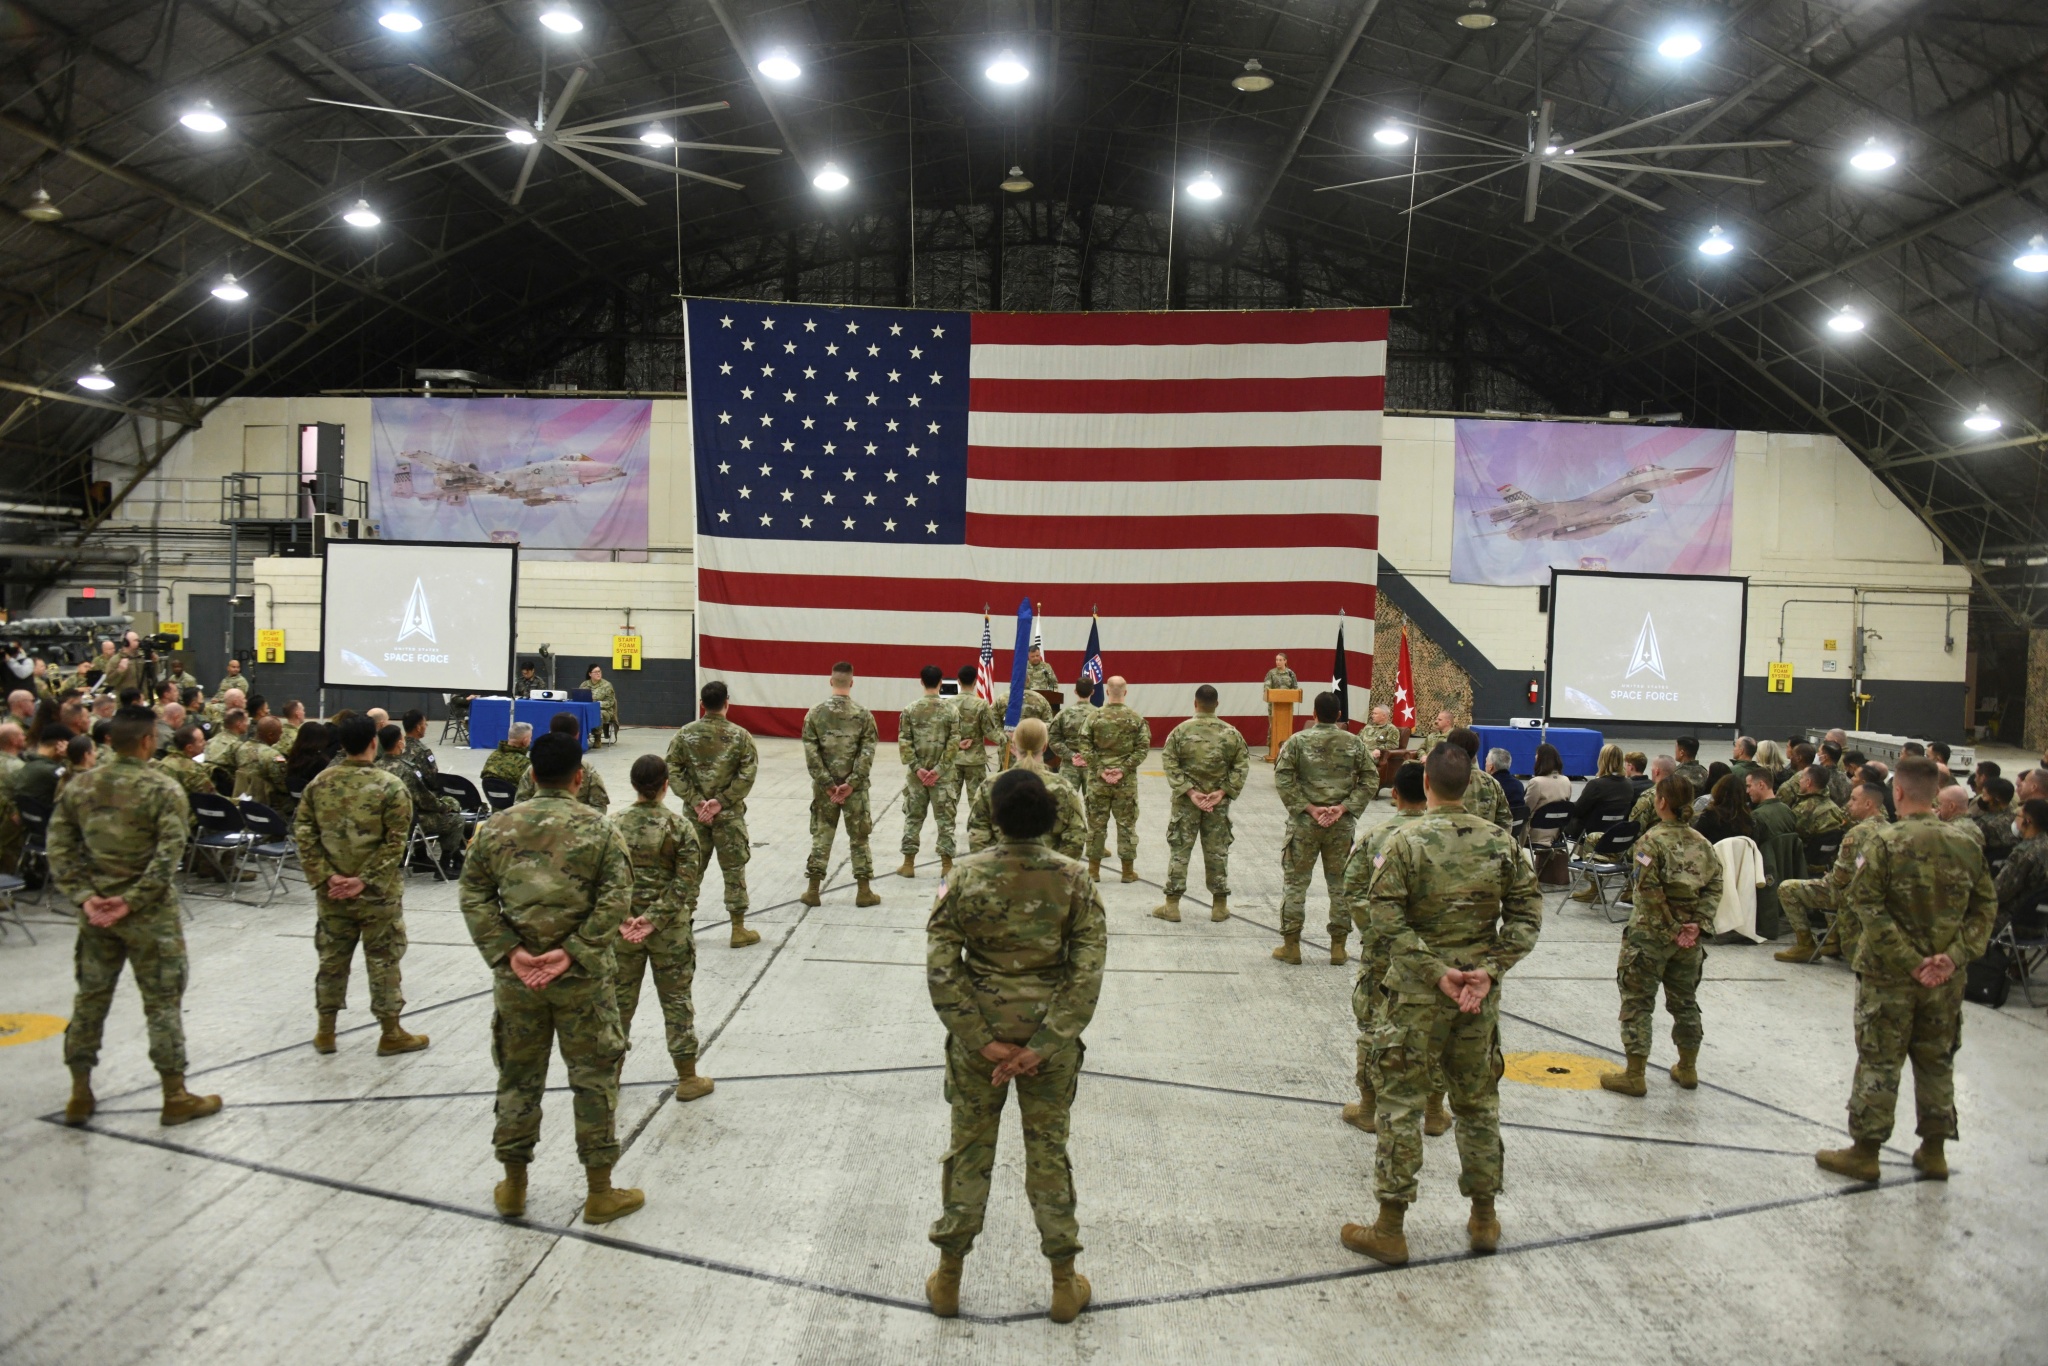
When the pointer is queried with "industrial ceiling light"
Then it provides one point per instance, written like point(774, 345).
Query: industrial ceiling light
point(1476, 17)
point(1016, 182)
point(1204, 186)
point(1680, 45)
point(830, 178)
point(779, 66)
point(1390, 135)
point(203, 118)
point(1715, 243)
point(1983, 420)
point(398, 16)
point(561, 19)
point(1846, 322)
point(1007, 70)
point(96, 379)
point(42, 209)
point(522, 137)
point(2034, 260)
point(1873, 156)
point(230, 290)
point(658, 136)
point(362, 215)
point(1253, 78)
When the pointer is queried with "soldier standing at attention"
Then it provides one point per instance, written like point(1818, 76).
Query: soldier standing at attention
point(662, 850)
point(1324, 778)
point(1013, 957)
point(1065, 733)
point(1381, 735)
point(1206, 764)
point(115, 840)
point(1410, 802)
point(1925, 904)
point(1038, 674)
point(1114, 745)
point(1069, 833)
point(1801, 898)
point(977, 726)
point(351, 828)
point(1677, 894)
point(924, 741)
point(839, 749)
point(546, 886)
point(1280, 676)
point(1456, 905)
point(510, 759)
point(712, 764)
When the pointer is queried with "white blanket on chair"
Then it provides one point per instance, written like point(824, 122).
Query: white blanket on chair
point(1742, 872)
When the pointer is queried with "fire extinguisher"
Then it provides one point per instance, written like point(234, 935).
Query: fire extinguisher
point(1535, 692)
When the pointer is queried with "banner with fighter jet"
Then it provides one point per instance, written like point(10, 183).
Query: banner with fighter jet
point(546, 474)
point(1529, 497)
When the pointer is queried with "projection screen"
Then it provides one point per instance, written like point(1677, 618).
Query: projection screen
point(1659, 649)
point(416, 614)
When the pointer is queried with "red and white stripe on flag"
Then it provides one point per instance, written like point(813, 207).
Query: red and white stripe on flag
point(1205, 482)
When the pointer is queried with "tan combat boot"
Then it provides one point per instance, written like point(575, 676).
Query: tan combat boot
point(1831, 947)
point(1857, 1161)
point(942, 1287)
point(1359, 1113)
point(323, 1035)
point(509, 1195)
point(810, 894)
point(1290, 948)
point(690, 1086)
point(1630, 1082)
point(909, 868)
point(79, 1108)
point(604, 1204)
point(945, 866)
point(864, 895)
point(1070, 1292)
point(1803, 949)
point(742, 936)
point(1435, 1120)
point(181, 1105)
point(396, 1040)
point(1484, 1225)
point(1383, 1240)
point(1338, 957)
point(1168, 909)
point(1095, 870)
point(1685, 1071)
point(1219, 907)
point(1928, 1159)
point(1130, 871)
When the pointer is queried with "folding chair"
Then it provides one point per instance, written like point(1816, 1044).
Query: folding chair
point(1606, 860)
point(1551, 820)
point(1518, 823)
point(1821, 851)
point(224, 781)
point(501, 791)
point(35, 836)
point(220, 836)
point(455, 728)
point(2024, 935)
point(270, 847)
point(10, 914)
point(474, 809)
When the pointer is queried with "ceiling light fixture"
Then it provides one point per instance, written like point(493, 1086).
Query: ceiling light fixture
point(96, 379)
point(658, 136)
point(1714, 243)
point(1874, 156)
point(1983, 420)
point(361, 215)
point(42, 209)
point(2034, 260)
point(1253, 78)
point(1016, 182)
point(1007, 70)
point(561, 19)
point(230, 290)
point(779, 66)
point(203, 118)
point(1390, 135)
point(522, 137)
point(1846, 322)
point(830, 178)
point(1476, 17)
point(1680, 45)
point(1204, 186)
point(398, 16)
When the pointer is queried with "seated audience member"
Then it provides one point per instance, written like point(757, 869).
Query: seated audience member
point(1636, 765)
point(2025, 874)
point(308, 755)
point(2031, 784)
point(1607, 792)
point(1801, 757)
point(1689, 766)
point(1852, 763)
point(1881, 774)
point(1501, 765)
point(1716, 771)
point(1994, 817)
point(1727, 812)
point(1772, 759)
point(1985, 769)
point(1547, 786)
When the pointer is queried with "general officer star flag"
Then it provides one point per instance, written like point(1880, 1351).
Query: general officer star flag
point(868, 480)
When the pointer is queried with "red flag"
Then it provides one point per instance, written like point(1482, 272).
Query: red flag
point(1404, 689)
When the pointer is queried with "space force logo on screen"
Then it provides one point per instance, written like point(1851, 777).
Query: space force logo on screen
point(416, 624)
point(1646, 658)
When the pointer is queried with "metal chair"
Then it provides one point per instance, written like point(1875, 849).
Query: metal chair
point(224, 781)
point(1550, 820)
point(1606, 860)
point(416, 841)
point(221, 836)
point(1518, 823)
point(270, 847)
point(2023, 934)
point(502, 792)
point(455, 727)
point(35, 837)
point(475, 810)
point(10, 914)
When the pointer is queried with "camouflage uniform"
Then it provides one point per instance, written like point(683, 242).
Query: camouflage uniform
point(1375, 736)
point(607, 698)
point(839, 747)
point(120, 831)
point(184, 680)
point(11, 833)
point(508, 761)
point(2025, 871)
point(1920, 889)
point(1367, 993)
point(353, 819)
point(1204, 753)
point(188, 773)
point(287, 738)
point(225, 751)
point(552, 874)
point(1034, 705)
point(1069, 833)
point(976, 725)
point(1281, 678)
point(418, 755)
point(1014, 954)
point(712, 757)
point(1996, 828)
point(1423, 744)
point(1484, 796)
point(1644, 812)
point(1678, 883)
point(1814, 814)
point(1449, 891)
point(438, 816)
point(662, 850)
point(1695, 773)
point(1116, 737)
point(1801, 898)
point(925, 740)
point(1321, 766)
point(1040, 676)
point(259, 776)
point(592, 793)
point(1064, 740)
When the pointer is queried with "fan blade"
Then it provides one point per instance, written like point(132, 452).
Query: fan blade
point(685, 112)
point(1686, 147)
point(1460, 189)
point(581, 141)
point(512, 119)
point(402, 113)
point(1576, 174)
point(650, 164)
point(413, 137)
point(1474, 137)
point(600, 176)
point(1631, 127)
point(567, 97)
point(525, 172)
point(1536, 161)
point(446, 160)
point(1663, 170)
point(1381, 180)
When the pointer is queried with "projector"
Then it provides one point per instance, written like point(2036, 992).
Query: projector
point(1526, 722)
point(549, 695)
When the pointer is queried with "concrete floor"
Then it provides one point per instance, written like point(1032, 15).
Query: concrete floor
point(339, 1210)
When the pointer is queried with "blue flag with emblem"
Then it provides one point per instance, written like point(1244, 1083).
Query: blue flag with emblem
point(1018, 663)
point(1091, 659)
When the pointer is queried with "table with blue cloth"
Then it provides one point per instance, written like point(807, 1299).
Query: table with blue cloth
point(1579, 749)
point(491, 718)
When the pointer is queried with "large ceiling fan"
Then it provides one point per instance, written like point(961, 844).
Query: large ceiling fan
point(575, 143)
point(1547, 150)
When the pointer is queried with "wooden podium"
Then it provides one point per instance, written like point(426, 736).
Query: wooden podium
point(1280, 703)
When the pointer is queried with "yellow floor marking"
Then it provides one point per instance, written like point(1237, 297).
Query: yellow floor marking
point(1566, 1071)
point(29, 1028)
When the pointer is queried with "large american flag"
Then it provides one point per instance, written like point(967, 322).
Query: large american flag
point(868, 479)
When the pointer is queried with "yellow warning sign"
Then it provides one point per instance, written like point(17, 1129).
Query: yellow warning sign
point(1781, 676)
point(625, 652)
point(1827, 645)
point(270, 647)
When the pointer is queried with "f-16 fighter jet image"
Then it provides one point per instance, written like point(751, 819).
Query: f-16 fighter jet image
point(1522, 518)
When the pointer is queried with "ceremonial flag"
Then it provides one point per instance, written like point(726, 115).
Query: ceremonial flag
point(866, 479)
point(1091, 666)
point(1404, 688)
point(1018, 664)
point(985, 667)
point(1340, 682)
